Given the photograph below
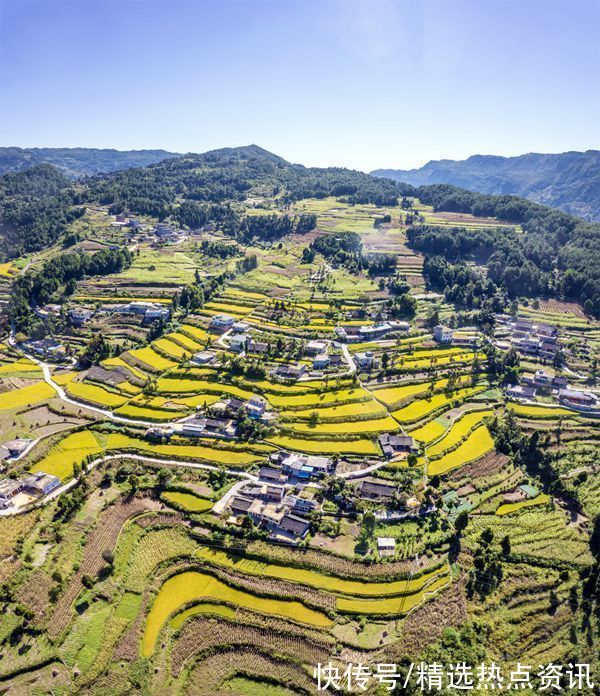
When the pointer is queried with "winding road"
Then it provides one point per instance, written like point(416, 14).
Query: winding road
point(176, 425)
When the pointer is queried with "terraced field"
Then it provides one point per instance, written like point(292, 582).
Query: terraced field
point(95, 394)
point(26, 396)
point(187, 587)
point(360, 446)
point(72, 450)
point(416, 410)
point(458, 431)
point(478, 443)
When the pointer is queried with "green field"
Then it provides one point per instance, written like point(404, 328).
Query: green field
point(187, 501)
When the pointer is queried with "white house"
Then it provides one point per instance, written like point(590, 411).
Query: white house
point(221, 322)
point(443, 334)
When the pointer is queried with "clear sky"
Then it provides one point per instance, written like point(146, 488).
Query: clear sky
point(359, 83)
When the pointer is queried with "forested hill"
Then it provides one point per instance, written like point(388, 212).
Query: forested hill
point(228, 175)
point(36, 207)
point(569, 181)
point(77, 162)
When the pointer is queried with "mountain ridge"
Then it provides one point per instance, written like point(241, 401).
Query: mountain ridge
point(569, 180)
point(77, 162)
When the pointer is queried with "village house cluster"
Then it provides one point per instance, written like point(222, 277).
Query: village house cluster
point(283, 498)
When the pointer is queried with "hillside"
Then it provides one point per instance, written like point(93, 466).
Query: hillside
point(569, 181)
point(76, 162)
point(260, 450)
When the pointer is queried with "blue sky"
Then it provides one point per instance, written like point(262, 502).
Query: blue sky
point(365, 84)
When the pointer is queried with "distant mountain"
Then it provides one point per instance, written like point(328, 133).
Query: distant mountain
point(569, 181)
point(76, 162)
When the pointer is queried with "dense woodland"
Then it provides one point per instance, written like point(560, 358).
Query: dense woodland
point(558, 254)
point(36, 207)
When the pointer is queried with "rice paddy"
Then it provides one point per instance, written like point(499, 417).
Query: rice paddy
point(508, 508)
point(423, 407)
point(187, 587)
point(533, 411)
point(390, 606)
point(231, 455)
point(315, 579)
point(376, 425)
point(26, 396)
point(460, 428)
point(478, 443)
point(95, 394)
point(358, 447)
point(358, 408)
point(152, 359)
point(72, 450)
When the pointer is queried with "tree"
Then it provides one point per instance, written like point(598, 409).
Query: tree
point(163, 479)
point(369, 522)
point(461, 522)
point(97, 349)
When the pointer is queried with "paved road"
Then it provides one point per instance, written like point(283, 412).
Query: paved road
point(176, 425)
point(81, 404)
point(244, 475)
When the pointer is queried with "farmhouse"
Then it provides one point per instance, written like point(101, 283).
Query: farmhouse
point(156, 434)
point(240, 505)
point(267, 473)
point(209, 427)
point(303, 503)
point(15, 448)
point(443, 334)
point(290, 371)
point(365, 360)
point(204, 357)
point(237, 343)
point(298, 526)
point(369, 333)
point(40, 483)
point(78, 316)
point(47, 311)
point(48, 348)
point(392, 444)
point(373, 489)
point(149, 310)
point(8, 490)
point(240, 327)
point(518, 391)
point(399, 325)
point(256, 406)
point(305, 466)
point(221, 323)
point(256, 347)
point(580, 400)
point(315, 348)
point(320, 362)
point(386, 546)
